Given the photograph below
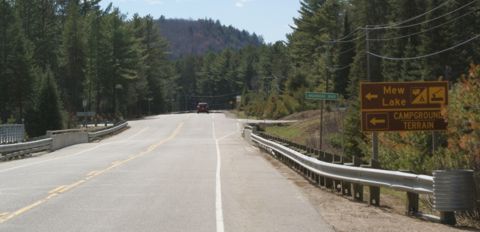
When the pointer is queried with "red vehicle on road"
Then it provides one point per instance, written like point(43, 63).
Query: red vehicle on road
point(202, 107)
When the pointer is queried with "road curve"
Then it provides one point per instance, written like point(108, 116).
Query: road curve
point(186, 172)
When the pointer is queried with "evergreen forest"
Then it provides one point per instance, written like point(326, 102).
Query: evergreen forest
point(59, 57)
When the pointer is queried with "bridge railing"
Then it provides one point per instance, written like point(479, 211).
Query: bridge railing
point(55, 140)
point(20, 149)
point(12, 133)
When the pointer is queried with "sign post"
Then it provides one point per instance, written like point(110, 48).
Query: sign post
point(321, 97)
point(401, 106)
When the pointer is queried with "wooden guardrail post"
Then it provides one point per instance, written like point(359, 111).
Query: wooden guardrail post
point(448, 218)
point(374, 190)
point(412, 203)
point(336, 183)
point(346, 186)
point(328, 182)
point(357, 188)
point(412, 200)
point(320, 156)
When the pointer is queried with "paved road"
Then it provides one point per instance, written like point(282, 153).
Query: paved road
point(167, 173)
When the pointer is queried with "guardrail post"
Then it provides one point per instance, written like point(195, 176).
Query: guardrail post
point(357, 188)
point(329, 184)
point(374, 190)
point(412, 203)
point(320, 156)
point(374, 195)
point(448, 218)
point(346, 186)
point(337, 160)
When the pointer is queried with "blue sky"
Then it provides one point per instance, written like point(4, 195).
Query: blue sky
point(268, 18)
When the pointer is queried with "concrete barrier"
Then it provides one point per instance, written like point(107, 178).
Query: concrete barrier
point(247, 135)
point(68, 139)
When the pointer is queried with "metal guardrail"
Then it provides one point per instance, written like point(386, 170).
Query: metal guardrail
point(421, 184)
point(19, 149)
point(452, 190)
point(114, 129)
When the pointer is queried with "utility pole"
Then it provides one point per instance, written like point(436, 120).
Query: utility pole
point(322, 107)
point(374, 162)
point(374, 191)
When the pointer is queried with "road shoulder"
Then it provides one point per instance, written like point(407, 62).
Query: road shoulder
point(344, 214)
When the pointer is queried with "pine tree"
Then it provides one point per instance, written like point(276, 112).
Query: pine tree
point(465, 26)
point(94, 20)
point(7, 19)
point(366, 12)
point(46, 37)
point(157, 66)
point(73, 58)
point(411, 69)
point(345, 60)
point(434, 40)
point(48, 113)
point(20, 69)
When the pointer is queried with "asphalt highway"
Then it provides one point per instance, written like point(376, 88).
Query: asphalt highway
point(185, 172)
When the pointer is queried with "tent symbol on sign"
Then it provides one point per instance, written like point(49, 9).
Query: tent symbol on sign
point(420, 96)
point(437, 95)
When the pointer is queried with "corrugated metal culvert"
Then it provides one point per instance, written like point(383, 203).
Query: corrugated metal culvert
point(453, 190)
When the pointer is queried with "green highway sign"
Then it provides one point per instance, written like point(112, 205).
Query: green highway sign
point(321, 96)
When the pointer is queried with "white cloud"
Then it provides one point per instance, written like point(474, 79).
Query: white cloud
point(154, 2)
point(241, 3)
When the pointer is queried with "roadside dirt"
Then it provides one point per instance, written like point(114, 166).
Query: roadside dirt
point(303, 115)
point(344, 214)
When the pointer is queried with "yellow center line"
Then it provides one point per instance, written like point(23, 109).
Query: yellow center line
point(56, 189)
point(4, 217)
point(68, 187)
point(23, 210)
point(92, 173)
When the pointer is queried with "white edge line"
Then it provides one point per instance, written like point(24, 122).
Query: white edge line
point(218, 186)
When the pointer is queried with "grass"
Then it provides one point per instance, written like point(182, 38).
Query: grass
point(242, 115)
point(283, 132)
point(307, 132)
point(298, 132)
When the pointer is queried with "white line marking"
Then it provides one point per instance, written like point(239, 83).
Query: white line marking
point(56, 158)
point(136, 134)
point(226, 136)
point(218, 185)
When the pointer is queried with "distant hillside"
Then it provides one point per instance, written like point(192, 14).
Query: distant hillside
point(190, 37)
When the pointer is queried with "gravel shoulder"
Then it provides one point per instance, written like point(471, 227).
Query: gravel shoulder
point(344, 214)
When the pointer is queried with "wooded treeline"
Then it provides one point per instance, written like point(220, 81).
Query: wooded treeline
point(408, 40)
point(62, 57)
point(197, 37)
point(56, 55)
